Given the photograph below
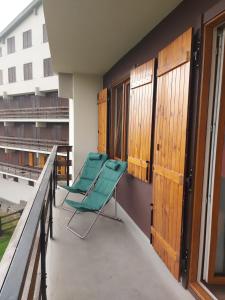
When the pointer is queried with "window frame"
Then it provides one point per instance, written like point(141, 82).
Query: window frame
point(9, 76)
point(11, 45)
point(27, 39)
point(125, 119)
point(1, 77)
point(49, 71)
point(28, 71)
point(44, 33)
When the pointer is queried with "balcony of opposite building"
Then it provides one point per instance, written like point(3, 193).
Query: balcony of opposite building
point(27, 144)
point(30, 107)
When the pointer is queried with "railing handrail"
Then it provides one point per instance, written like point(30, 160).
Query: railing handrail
point(16, 258)
point(21, 168)
point(32, 139)
point(44, 108)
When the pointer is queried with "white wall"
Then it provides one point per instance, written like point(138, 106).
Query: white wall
point(85, 90)
point(35, 54)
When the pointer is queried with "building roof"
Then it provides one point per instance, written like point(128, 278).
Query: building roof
point(20, 18)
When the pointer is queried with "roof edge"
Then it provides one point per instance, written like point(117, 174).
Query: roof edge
point(21, 16)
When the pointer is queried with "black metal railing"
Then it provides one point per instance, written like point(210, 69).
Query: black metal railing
point(23, 266)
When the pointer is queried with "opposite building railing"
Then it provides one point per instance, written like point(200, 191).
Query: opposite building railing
point(21, 142)
point(60, 112)
point(25, 256)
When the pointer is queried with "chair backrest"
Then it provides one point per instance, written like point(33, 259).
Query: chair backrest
point(109, 177)
point(93, 165)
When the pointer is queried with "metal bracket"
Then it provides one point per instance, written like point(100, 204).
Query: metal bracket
point(185, 261)
point(196, 54)
point(189, 181)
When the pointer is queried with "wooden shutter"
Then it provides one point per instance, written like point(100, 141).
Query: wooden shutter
point(31, 159)
point(140, 120)
point(42, 160)
point(102, 121)
point(170, 149)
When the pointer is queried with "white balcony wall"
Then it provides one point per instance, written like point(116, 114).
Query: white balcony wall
point(82, 89)
point(35, 54)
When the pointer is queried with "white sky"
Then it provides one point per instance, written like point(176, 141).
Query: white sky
point(9, 9)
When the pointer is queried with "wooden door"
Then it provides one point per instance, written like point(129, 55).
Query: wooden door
point(170, 149)
point(42, 160)
point(61, 169)
point(21, 159)
point(140, 120)
point(31, 159)
point(102, 120)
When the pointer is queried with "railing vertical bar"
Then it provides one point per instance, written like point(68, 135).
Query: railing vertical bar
point(50, 204)
point(43, 255)
point(67, 167)
point(54, 182)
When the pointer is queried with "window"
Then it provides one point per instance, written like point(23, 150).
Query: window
point(45, 34)
point(48, 71)
point(27, 39)
point(27, 71)
point(12, 74)
point(0, 51)
point(11, 47)
point(1, 77)
point(119, 120)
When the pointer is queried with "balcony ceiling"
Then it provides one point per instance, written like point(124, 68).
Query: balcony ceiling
point(90, 36)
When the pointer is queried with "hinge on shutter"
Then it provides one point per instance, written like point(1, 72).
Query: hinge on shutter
point(185, 261)
point(189, 181)
point(196, 53)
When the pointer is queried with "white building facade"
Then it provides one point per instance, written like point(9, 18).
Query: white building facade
point(27, 41)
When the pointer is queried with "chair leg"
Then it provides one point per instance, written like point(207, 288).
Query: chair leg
point(61, 204)
point(115, 218)
point(87, 231)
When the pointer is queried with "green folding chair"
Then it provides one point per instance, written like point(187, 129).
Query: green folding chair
point(87, 174)
point(99, 194)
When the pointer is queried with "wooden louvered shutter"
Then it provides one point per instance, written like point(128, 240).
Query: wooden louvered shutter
point(170, 149)
point(42, 160)
point(31, 159)
point(102, 120)
point(140, 120)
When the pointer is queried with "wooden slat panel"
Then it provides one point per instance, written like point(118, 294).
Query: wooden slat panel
point(102, 121)
point(140, 120)
point(142, 75)
point(170, 151)
point(175, 54)
point(164, 244)
point(63, 177)
point(173, 176)
point(31, 159)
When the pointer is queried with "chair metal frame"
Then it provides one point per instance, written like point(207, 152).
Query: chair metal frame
point(68, 192)
point(99, 212)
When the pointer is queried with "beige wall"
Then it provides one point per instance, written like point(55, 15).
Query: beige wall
point(85, 90)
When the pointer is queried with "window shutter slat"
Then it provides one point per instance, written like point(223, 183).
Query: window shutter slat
point(102, 120)
point(140, 120)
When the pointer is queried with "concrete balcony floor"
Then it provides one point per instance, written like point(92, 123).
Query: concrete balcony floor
point(115, 262)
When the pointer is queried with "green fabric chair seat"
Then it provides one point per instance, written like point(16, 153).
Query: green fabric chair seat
point(103, 189)
point(80, 187)
point(92, 167)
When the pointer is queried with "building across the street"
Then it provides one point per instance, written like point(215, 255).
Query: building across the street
point(32, 116)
